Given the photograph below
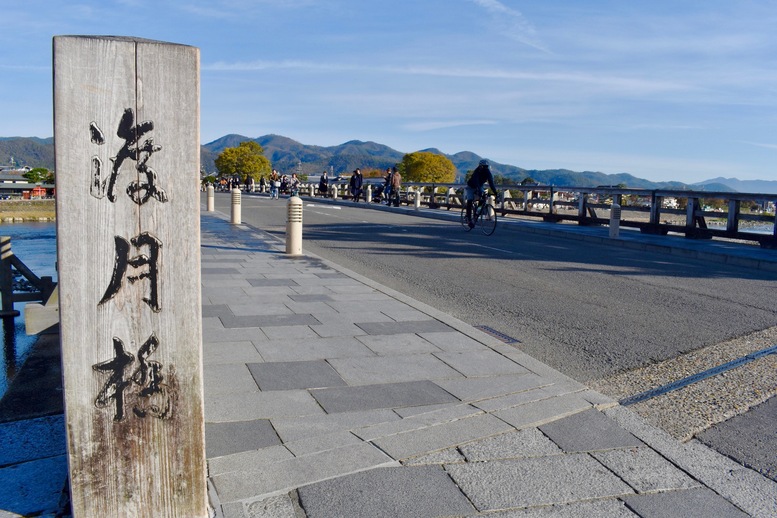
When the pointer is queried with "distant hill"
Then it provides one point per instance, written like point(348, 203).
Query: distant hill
point(749, 186)
point(287, 155)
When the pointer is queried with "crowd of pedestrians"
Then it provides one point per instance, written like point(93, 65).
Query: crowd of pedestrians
point(277, 184)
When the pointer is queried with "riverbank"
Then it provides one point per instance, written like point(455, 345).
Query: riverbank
point(12, 211)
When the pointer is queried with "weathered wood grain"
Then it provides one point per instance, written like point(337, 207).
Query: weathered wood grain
point(131, 107)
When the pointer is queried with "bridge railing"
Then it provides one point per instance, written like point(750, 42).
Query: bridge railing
point(696, 214)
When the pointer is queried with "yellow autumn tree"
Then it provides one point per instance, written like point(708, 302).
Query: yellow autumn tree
point(423, 166)
point(247, 159)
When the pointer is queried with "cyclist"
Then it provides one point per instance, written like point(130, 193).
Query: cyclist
point(480, 176)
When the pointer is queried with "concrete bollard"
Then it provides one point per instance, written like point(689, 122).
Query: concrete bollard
point(294, 226)
point(615, 220)
point(368, 196)
point(236, 211)
point(334, 192)
point(417, 199)
point(211, 198)
point(312, 191)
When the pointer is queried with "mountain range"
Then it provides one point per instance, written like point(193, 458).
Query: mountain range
point(287, 155)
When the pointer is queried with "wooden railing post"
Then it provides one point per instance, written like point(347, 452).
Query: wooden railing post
point(126, 127)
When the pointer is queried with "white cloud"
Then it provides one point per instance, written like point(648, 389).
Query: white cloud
point(511, 23)
point(435, 125)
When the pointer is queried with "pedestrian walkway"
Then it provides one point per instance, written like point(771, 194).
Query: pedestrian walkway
point(329, 395)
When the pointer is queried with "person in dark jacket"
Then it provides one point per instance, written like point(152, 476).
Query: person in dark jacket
point(480, 176)
point(356, 185)
point(323, 184)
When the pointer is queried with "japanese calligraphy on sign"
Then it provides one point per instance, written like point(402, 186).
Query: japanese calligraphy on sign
point(134, 150)
point(134, 382)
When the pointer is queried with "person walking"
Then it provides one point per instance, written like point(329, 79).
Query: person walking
point(275, 183)
point(396, 185)
point(355, 184)
point(480, 176)
point(323, 184)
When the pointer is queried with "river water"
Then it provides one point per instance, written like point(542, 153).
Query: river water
point(36, 245)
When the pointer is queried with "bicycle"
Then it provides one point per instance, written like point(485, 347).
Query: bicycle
point(483, 214)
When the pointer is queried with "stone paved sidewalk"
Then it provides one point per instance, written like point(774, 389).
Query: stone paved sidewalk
point(328, 395)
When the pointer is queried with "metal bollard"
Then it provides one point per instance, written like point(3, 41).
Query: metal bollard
point(211, 198)
point(294, 226)
point(615, 220)
point(368, 197)
point(236, 213)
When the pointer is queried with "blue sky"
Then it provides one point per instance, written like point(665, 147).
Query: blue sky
point(664, 90)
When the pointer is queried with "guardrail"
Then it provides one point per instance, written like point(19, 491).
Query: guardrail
point(695, 214)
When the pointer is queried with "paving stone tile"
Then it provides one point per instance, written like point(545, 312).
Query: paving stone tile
point(260, 405)
point(209, 270)
point(514, 400)
point(590, 430)
point(541, 412)
point(299, 428)
point(645, 470)
point(311, 297)
point(536, 481)
point(420, 492)
point(237, 334)
point(276, 307)
point(223, 283)
point(453, 341)
point(474, 389)
point(389, 395)
point(214, 353)
point(268, 320)
point(300, 471)
point(526, 443)
point(447, 456)
point(233, 437)
point(247, 460)
point(279, 506)
point(386, 345)
point(294, 375)
point(312, 347)
point(33, 488)
point(691, 502)
point(392, 369)
point(228, 378)
point(333, 330)
point(29, 439)
point(391, 328)
point(338, 317)
point(215, 310)
point(310, 307)
point(261, 283)
point(610, 508)
point(297, 332)
point(481, 363)
point(321, 443)
point(442, 415)
point(445, 435)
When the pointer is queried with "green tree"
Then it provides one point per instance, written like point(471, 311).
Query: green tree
point(423, 166)
point(247, 159)
point(39, 175)
point(528, 181)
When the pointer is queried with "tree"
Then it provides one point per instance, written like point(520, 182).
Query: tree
point(39, 175)
point(247, 159)
point(423, 166)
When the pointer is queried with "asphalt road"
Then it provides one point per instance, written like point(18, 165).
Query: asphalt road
point(588, 310)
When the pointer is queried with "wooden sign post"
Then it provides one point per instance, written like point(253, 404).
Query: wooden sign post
point(126, 133)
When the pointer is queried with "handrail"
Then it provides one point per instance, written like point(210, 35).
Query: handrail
point(652, 211)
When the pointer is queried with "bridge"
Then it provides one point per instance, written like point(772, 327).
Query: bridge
point(694, 214)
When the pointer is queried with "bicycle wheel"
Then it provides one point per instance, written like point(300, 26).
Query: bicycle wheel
point(487, 219)
point(464, 222)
